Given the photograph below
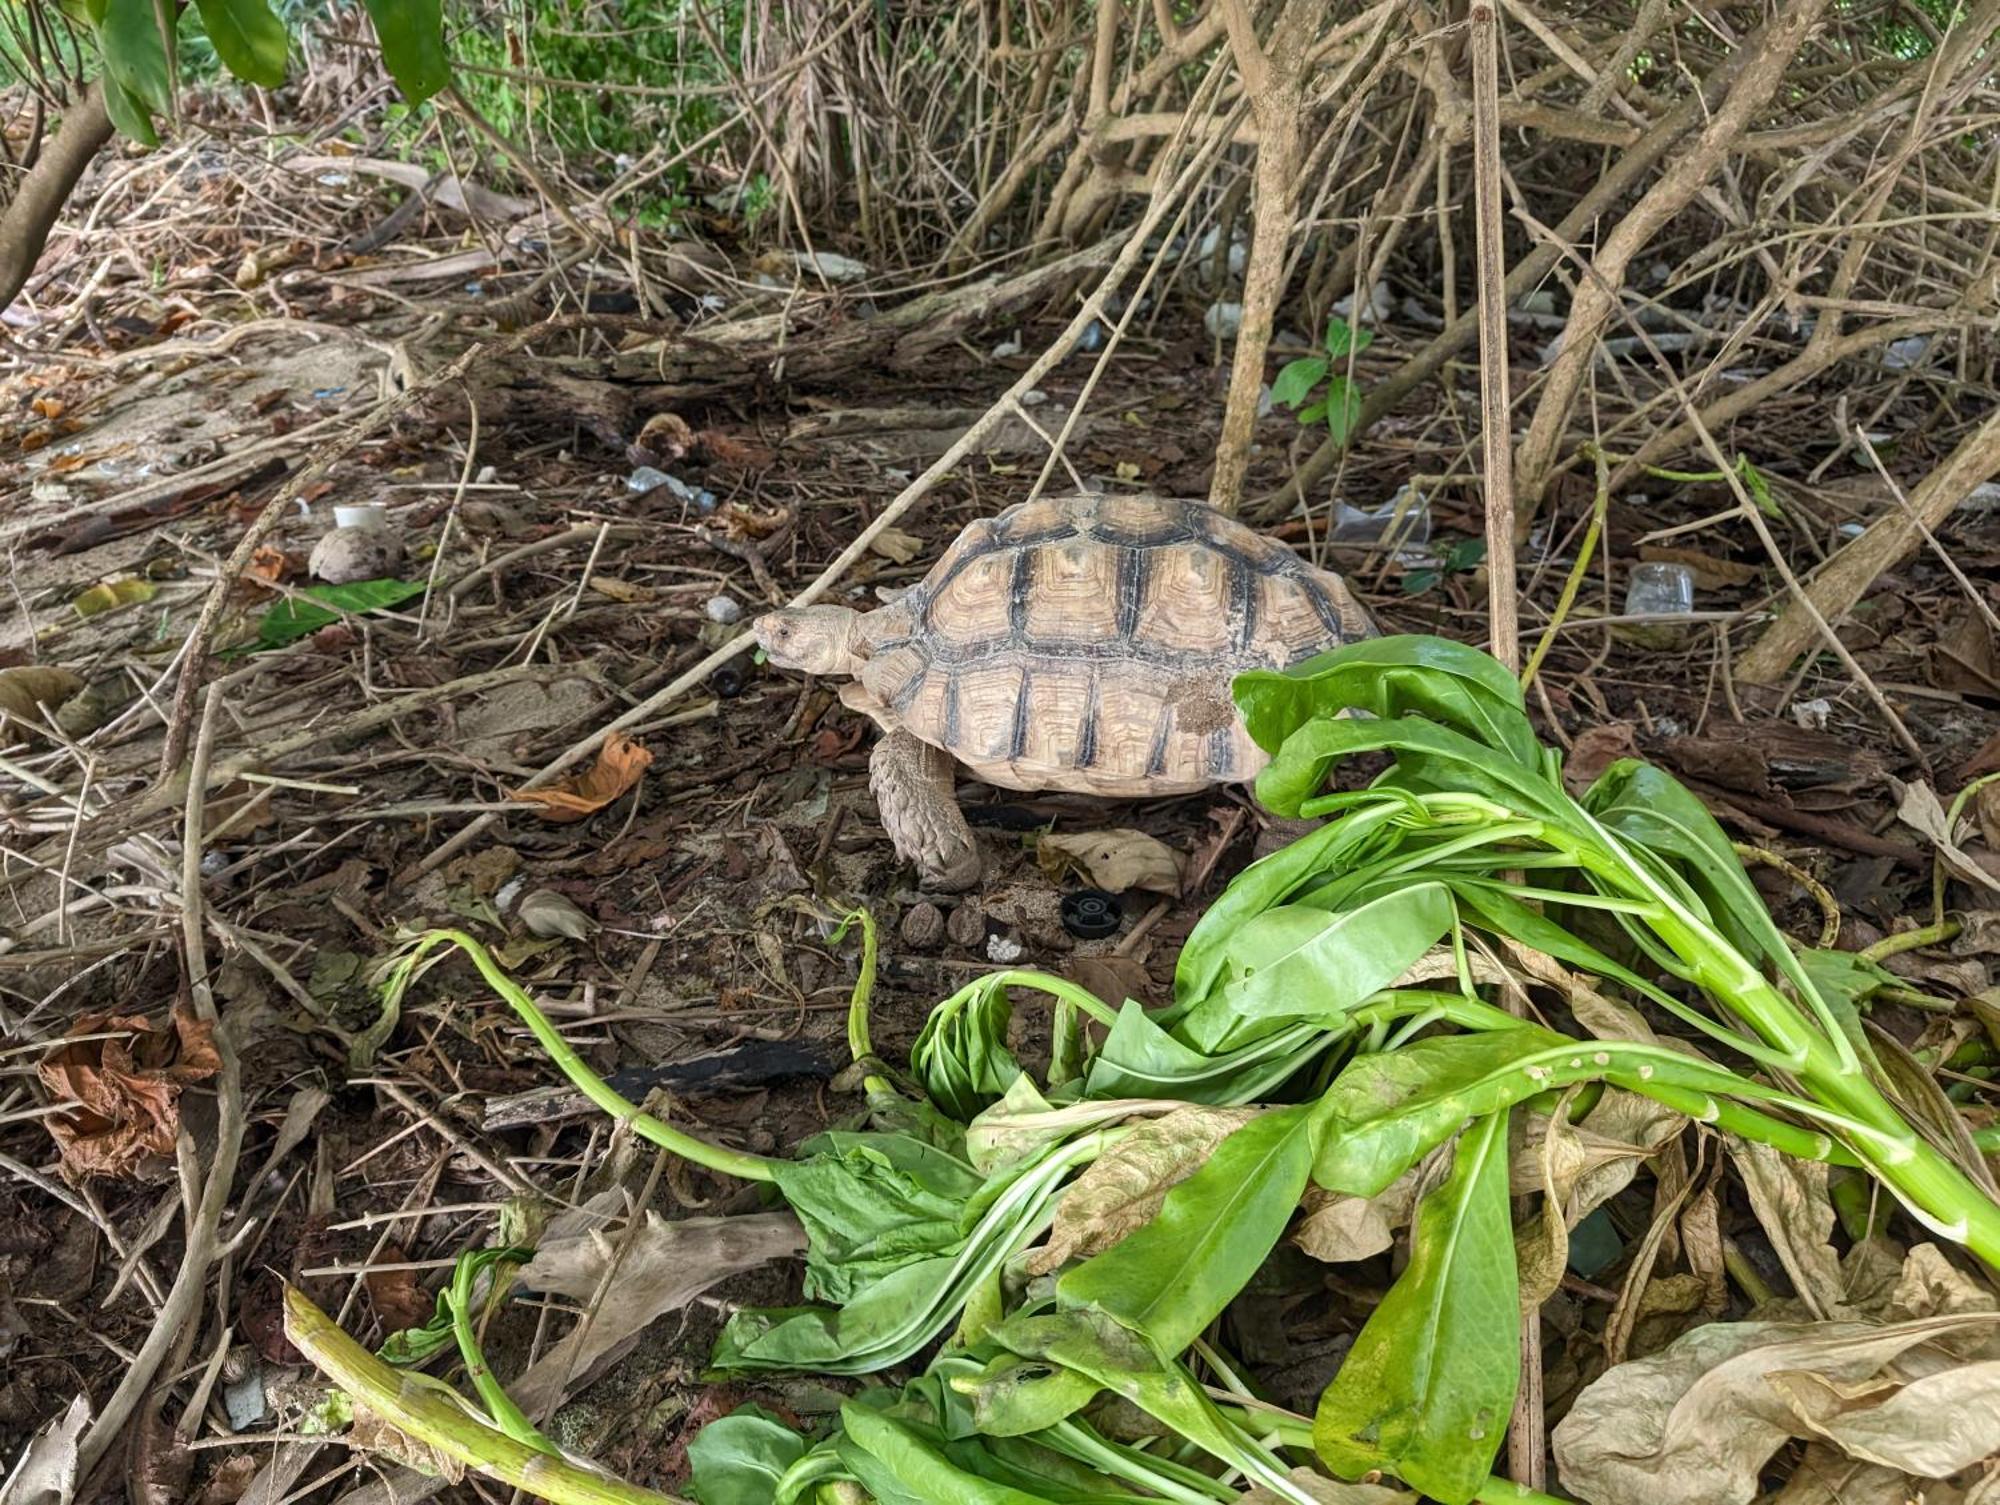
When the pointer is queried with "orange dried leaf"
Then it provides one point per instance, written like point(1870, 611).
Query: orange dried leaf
point(126, 1089)
point(269, 565)
point(619, 764)
point(48, 407)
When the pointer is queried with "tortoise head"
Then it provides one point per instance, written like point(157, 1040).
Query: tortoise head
point(812, 639)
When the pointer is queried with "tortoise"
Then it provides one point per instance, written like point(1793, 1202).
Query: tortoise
point(1082, 643)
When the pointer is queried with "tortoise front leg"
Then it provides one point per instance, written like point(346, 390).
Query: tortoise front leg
point(913, 789)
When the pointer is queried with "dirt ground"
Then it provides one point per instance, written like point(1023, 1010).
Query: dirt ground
point(558, 598)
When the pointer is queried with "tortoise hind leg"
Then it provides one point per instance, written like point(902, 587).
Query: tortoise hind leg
point(913, 789)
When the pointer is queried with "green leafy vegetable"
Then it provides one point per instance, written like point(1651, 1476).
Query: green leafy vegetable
point(738, 1459)
point(249, 38)
point(412, 37)
point(1427, 1388)
point(292, 619)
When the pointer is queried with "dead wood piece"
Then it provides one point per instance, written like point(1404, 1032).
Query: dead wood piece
point(815, 340)
point(1888, 541)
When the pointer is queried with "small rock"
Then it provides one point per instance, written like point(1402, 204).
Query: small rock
point(346, 555)
point(245, 1401)
point(1223, 320)
point(967, 924)
point(1003, 949)
point(922, 927)
point(723, 609)
point(1812, 715)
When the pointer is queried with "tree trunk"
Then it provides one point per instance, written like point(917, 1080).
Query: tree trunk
point(43, 191)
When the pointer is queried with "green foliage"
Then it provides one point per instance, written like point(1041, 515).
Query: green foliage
point(1338, 400)
point(300, 616)
point(412, 36)
point(250, 40)
point(738, 1459)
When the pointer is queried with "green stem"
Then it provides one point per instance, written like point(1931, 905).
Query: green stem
point(1910, 940)
point(737, 1163)
point(434, 1414)
point(858, 1043)
point(1577, 571)
point(499, 1404)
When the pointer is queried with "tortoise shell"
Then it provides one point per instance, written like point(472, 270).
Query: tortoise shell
point(1088, 644)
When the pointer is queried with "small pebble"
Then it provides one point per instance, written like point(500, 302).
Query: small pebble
point(967, 924)
point(922, 927)
point(723, 609)
point(1003, 949)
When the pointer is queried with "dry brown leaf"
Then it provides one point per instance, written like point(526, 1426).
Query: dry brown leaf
point(1919, 809)
point(127, 1090)
point(1597, 748)
point(394, 1295)
point(372, 1434)
point(46, 1472)
point(1790, 1199)
point(230, 1480)
point(1124, 1187)
point(1114, 860)
point(622, 590)
point(894, 544)
point(633, 1277)
point(1339, 1228)
point(28, 693)
point(1696, 1423)
point(1112, 978)
point(1826, 1476)
point(620, 762)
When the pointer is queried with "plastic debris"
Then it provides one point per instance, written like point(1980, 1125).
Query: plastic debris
point(1658, 589)
point(1003, 949)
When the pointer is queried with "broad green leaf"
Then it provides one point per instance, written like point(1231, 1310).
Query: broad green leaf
point(129, 114)
point(1293, 962)
point(1088, 1342)
point(1268, 882)
point(887, 1322)
point(1429, 757)
point(1296, 381)
point(412, 37)
point(1343, 410)
point(1428, 1386)
point(738, 1459)
point(1390, 677)
point(1174, 1276)
point(1123, 1189)
point(876, 1445)
point(135, 53)
point(872, 1203)
point(1140, 1059)
point(292, 618)
point(1391, 1108)
point(1313, 413)
point(249, 39)
point(1342, 337)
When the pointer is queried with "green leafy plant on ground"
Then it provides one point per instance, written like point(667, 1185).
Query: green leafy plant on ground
point(1063, 1246)
point(1317, 390)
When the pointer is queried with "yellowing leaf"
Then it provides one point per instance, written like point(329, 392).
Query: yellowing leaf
point(1127, 471)
point(620, 762)
point(1124, 1187)
point(109, 595)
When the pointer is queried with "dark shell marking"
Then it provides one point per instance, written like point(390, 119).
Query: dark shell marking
point(1089, 642)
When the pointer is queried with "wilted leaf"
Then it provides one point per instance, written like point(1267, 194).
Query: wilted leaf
point(1112, 978)
point(1340, 1228)
point(620, 762)
point(46, 1472)
point(1790, 1199)
point(1114, 860)
point(1695, 1423)
point(1825, 1476)
point(372, 1434)
point(1920, 810)
point(1590, 1162)
point(1124, 1187)
point(161, 1464)
point(894, 544)
point(27, 693)
point(127, 1091)
point(653, 1269)
point(622, 590)
point(548, 914)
